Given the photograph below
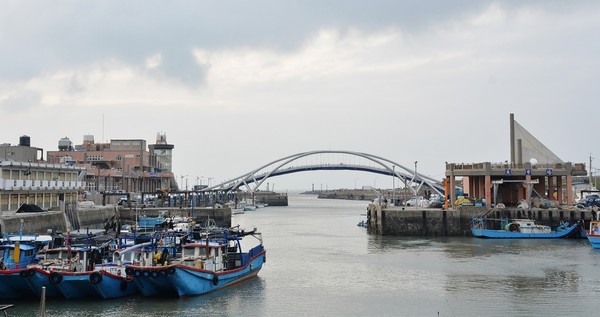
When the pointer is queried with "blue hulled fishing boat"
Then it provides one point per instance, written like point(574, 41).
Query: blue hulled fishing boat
point(522, 229)
point(13, 273)
point(111, 280)
point(212, 264)
point(55, 265)
point(16, 253)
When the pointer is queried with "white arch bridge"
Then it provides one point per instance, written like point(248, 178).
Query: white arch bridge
point(301, 162)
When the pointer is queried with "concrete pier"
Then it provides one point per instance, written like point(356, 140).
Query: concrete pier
point(96, 217)
point(411, 221)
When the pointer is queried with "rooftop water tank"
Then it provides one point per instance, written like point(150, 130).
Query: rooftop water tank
point(25, 140)
point(65, 144)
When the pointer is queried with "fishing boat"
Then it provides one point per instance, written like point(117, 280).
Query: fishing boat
point(593, 235)
point(16, 253)
point(521, 229)
point(110, 279)
point(217, 261)
point(45, 273)
point(152, 264)
point(65, 271)
point(12, 284)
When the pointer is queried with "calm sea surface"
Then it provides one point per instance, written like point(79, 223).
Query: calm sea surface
point(319, 263)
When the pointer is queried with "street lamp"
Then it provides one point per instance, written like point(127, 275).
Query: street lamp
point(393, 183)
point(416, 204)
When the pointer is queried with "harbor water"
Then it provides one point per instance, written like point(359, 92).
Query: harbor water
point(320, 263)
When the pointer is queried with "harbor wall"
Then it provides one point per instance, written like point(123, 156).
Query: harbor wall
point(96, 217)
point(409, 221)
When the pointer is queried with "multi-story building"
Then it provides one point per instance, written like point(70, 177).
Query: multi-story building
point(26, 179)
point(120, 165)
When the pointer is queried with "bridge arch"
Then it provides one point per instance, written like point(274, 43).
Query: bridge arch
point(276, 168)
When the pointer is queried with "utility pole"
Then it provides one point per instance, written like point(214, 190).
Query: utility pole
point(590, 180)
point(393, 183)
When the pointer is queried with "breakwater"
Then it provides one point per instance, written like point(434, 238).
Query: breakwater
point(97, 217)
point(429, 222)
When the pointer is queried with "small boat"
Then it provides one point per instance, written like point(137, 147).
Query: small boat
point(237, 211)
point(146, 222)
point(362, 223)
point(522, 229)
point(593, 234)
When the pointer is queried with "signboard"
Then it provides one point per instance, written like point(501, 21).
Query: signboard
point(548, 172)
point(528, 171)
point(508, 172)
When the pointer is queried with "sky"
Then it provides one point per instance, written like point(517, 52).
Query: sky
point(237, 84)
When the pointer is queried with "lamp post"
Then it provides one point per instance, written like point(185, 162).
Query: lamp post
point(416, 204)
point(393, 184)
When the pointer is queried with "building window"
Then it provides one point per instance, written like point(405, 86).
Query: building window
point(119, 158)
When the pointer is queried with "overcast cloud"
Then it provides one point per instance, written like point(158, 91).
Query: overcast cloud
point(237, 84)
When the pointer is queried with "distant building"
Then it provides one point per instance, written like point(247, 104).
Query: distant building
point(533, 171)
point(120, 165)
point(26, 179)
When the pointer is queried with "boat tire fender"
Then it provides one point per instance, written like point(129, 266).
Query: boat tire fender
point(95, 278)
point(55, 278)
point(129, 271)
point(162, 273)
point(171, 270)
point(137, 272)
point(513, 227)
point(215, 279)
point(30, 272)
point(23, 273)
point(154, 273)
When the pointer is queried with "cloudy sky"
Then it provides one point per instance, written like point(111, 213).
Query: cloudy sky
point(237, 84)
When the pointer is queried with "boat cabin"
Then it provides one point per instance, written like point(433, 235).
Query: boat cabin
point(525, 226)
point(73, 259)
point(205, 256)
point(594, 228)
point(16, 256)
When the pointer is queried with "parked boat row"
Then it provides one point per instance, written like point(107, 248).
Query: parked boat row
point(167, 263)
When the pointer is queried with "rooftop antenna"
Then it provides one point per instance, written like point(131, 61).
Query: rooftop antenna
point(103, 141)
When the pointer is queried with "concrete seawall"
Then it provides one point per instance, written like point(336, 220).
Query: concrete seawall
point(409, 221)
point(96, 217)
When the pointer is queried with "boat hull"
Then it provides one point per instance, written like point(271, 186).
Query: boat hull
point(38, 278)
point(594, 241)
point(76, 285)
point(110, 286)
point(13, 284)
point(152, 281)
point(504, 234)
point(190, 281)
